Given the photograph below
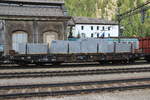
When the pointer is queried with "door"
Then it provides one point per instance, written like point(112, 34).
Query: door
point(17, 38)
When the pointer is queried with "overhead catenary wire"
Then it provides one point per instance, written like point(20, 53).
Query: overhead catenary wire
point(143, 7)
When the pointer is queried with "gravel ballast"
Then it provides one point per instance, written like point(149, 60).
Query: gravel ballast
point(48, 80)
point(117, 95)
point(73, 68)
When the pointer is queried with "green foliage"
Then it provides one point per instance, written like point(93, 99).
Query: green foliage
point(103, 8)
point(133, 25)
point(81, 7)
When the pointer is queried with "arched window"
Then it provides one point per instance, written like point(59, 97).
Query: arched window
point(103, 28)
point(18, 38)
point(97, 27)
point(91, 27)
point(98, 35)
point(92, 35)
point(82, 27)
point(108, 28)
point(49, 36)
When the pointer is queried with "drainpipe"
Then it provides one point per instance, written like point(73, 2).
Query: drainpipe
point(35, 32)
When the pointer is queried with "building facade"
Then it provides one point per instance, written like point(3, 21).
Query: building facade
point(83, 27)
point(31, 21)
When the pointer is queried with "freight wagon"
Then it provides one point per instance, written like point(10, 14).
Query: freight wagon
point(144, 46)
point(102, 50)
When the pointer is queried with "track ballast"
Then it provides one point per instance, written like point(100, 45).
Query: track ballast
point(60, 89)
point(72, 72)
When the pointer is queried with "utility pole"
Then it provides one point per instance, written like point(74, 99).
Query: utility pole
point(143, 15)
point(119, 22)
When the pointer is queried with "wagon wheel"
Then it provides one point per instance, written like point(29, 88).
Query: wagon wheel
point(103, 62)
point(40, 64)
point(131, 61)
point(21, 63)
point(56, 63)
point(147, 58)
point(124, 61)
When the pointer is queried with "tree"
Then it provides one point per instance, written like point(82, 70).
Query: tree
point(107, 9)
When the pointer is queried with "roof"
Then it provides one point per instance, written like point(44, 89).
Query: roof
point(71, 22)
point(31, 10)
point(88, 20)
point(35, 1)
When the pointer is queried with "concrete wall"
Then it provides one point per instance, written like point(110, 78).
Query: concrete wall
point(34, 18)
point(34, 29)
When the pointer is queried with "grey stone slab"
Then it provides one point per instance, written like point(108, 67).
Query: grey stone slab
point(32, 48)
point(37, 48)
point(74, 47)
point(123, 47)
point(59, 46)
point(22, 48)
point(106, 47)
point(89, 45)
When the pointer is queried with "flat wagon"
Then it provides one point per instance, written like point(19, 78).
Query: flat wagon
point(125, 50)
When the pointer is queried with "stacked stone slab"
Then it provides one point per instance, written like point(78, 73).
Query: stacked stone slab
point(58, 46)
point(31, 48)
point(95, 46)
point(81, 46)
point(74, 47)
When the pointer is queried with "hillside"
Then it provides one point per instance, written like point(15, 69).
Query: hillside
point(107, 9)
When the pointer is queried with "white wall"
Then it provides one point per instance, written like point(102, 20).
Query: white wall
point(113, 32)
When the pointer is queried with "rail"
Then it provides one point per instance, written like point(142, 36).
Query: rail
point(72, 72)
point(74, 88)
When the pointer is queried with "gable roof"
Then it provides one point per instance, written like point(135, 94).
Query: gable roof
point(88, 20)
point(16, 9)
point(29, 11)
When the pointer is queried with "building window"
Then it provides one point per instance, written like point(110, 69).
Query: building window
point(98, 35)
point(103, 28)
point(92, 35)
point(97, 27)
point(103, 34)
point(82, 27)
point(83, 35)
point(91, 27)
point(109, 28)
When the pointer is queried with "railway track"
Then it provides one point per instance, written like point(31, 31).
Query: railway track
point(59, 89)
point(13, 66)
point(72, 72)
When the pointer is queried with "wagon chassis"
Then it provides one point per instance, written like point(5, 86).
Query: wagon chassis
point(74, 58)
